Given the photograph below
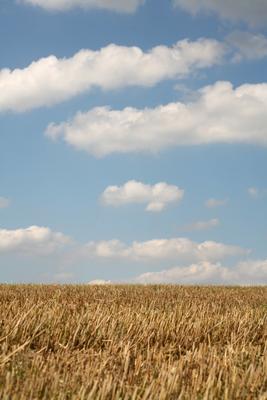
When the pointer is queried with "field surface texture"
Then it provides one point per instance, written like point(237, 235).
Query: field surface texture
point(132, 342)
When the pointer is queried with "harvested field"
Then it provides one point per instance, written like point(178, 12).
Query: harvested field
point(132, 342)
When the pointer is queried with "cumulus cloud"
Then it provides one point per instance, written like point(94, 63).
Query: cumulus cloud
point(32, 240)
point(213, 203)
point(51, 80)
point(249, 46)
point(157, 197)
point(253, 12)
point(252, 272)
point(244, 273)
point(221, 114)
point(202, 225)
point(162, 249)
point(202, 273)
point(123, 6)
point(4, 202)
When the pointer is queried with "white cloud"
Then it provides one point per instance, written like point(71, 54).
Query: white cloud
point(157, 197)
point(253, 192)
point(106, 249)
point(32, 240)
point(4, 202)
point(213, 203)
point(248, 45)
point(162, 249)
point(221, 114)
point(202, 225)
point(123, 6)
point(50, 80)
point(201, 273)
point(251, 11)
point(257, 193)
point(252, 272)
point(99, 282)
point(244, 273)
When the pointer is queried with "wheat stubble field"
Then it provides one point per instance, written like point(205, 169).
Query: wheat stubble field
point(132, 342)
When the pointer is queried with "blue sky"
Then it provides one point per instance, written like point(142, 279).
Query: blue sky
point(133, 164)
